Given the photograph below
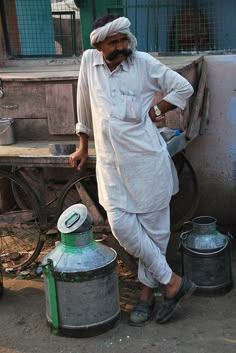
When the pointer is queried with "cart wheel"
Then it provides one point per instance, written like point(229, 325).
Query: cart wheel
point(185, 202)
point(20, 236)
point(31, 178)
point(83, 189)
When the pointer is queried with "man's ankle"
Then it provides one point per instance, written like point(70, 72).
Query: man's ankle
point(173, 286)
point(147, 294)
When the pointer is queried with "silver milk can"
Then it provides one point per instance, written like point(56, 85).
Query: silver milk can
point(7, 136)
point(206, 256)
point(80, 279)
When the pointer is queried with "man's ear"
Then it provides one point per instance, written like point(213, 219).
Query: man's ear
point(98, 47)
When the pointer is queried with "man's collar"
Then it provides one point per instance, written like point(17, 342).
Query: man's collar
point(99, 60)
point(125, 64)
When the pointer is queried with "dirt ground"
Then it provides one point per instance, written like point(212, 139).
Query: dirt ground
point(203, 324)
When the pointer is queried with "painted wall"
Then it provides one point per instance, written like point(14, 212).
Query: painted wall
point(150, 24)
point(226, 28)
point(213, 155)
point(35, 27)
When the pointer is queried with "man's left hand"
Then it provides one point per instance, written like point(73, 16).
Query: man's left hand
point(154, 118)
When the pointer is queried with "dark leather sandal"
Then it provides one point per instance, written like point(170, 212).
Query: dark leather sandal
point(170, 305)
point(142, 313)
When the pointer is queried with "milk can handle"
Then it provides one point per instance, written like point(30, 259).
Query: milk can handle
point(72, 219)
point(183, 235)
point(229, 235)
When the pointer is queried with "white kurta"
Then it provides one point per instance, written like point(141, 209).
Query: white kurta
point(134, 171)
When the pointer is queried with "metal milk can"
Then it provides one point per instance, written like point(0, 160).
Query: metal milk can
point(80, 278)
point(7, 136)
point(206, 256)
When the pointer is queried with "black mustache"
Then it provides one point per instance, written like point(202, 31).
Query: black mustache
point(116, 53)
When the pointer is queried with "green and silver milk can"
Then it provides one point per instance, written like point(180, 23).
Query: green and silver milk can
point(80, 279)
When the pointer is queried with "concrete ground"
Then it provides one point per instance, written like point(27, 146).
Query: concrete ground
point(203, 324)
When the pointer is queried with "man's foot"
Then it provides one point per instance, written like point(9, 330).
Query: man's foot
point(142, 313)
point(173, 286)
point(170, 304)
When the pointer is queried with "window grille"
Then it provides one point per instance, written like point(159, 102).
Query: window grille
point(58, 27)
point(177, 26)
point(41, 28)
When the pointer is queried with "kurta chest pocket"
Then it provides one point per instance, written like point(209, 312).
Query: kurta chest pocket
point(128, 107)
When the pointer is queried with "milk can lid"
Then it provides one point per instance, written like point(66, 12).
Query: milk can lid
point(72, 218)
point(206, 242)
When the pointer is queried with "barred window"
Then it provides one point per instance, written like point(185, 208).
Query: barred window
point(41, 28)
point(176, 26)
point(58, 28)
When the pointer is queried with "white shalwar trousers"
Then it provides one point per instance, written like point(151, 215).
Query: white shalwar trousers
point(145, 236)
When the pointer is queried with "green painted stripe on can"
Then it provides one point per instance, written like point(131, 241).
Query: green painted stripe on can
point(76, 249)
point(53, 296)
point(73, 239)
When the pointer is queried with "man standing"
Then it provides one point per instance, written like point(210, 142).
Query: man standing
point(135, 174)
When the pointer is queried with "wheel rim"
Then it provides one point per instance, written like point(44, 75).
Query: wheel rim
point(20, 234)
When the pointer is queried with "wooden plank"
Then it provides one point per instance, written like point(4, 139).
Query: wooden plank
point(90, 204)
point(179, 63)
point(36, 154)
point(197, 106)
point(17, 217)
point(205, 112)
point(23, 232)
point(35, 129)
point(68, 69)
point(60, 108)
point(40, 76)
point(23, 100)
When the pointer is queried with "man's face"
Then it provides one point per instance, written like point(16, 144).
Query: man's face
point(115, 48)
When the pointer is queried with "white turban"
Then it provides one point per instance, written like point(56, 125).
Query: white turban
point(119, 25)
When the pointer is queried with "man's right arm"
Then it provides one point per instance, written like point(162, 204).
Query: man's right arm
point(79, 157)
point(84, 124)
